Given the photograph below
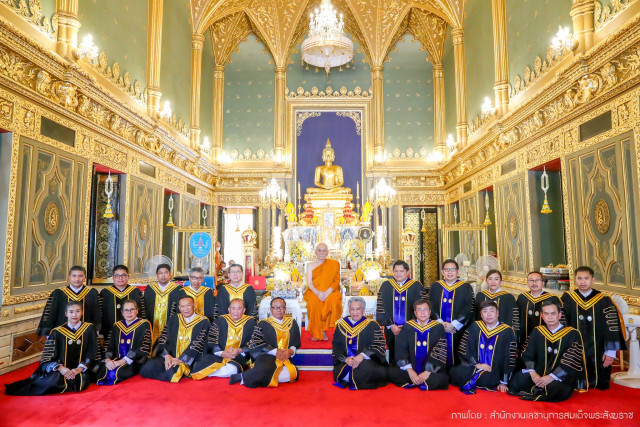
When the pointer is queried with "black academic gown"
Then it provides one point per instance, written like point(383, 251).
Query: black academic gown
point(266, 336)
point(225, 333)
point(63, 347)
point(181, 339)
point(497, 348)
point(227, 292)
point(54, 311)
point(160, 305)
point(597, 319)
point(507, 309)
point(351, 339)
point(395, 307)
point(204, 299)
point(424, 348)
point(530, 311)
point(559, 354)
point(111, 300)
point(132, 341)
point(452, 302)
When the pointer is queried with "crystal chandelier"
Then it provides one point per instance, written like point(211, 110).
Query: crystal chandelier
point(327, 45)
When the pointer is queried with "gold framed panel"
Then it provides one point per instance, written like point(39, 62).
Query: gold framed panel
point(181, 249)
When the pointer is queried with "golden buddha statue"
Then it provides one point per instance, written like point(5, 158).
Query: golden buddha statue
point(328, 178)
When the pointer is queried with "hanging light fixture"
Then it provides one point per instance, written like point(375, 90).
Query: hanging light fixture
point(108, 189)
point(204, 215)
point(455, 214)
point(327, 45)
point(423, 217)
point(237, 220)
point(487, 220)
point(170, 205)
point(544, 184)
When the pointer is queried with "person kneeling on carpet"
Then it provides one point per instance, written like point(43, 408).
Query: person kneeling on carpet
point(421, 352)
point(359, 350)
point(128, 348)
point(273, 344)
point(553, 359)
point(227, 350)
point(488, 353)
point(180, 344)
point(67, 358)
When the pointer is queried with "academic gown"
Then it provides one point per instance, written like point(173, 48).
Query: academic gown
point(597, 319)
point(65, 347)
point(228, 292)
point(352, 338)
point(395, 307)
point(133, 342)
point(225, 333)
point(560, 354)
point(204, 299)
point(269, 335)
point(160, 305)
point(181, 339)
point(497, 348)
point(449, 303)
point(54, 311)
point(111, 300)
point(530, 311)
point(507, 309)
point(423, 348)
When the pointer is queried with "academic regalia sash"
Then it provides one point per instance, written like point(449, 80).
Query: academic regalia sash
point(351, 330)
point(486, 346)
point(282, 336)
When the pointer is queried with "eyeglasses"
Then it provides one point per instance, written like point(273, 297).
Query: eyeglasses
point(450, 269)
point(422, 310)
point(193, 278)
point(129, 310)
point(535, 281)
point(120, 276)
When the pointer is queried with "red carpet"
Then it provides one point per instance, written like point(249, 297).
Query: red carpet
point(308, 343)
point(312, 401)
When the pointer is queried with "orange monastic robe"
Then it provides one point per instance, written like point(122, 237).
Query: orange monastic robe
point(324, 314)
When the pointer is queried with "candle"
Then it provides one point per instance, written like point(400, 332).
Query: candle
point(358, 190)
point(299, 194)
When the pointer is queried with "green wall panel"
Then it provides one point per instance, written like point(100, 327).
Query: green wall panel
point(408, 100)
point(448, 63)
point(547, 229)
point(531, 25)
point(119, 29)
point(478, 50)
point(249, 100)
point(48, 8)
point(357, 73)
point(206, 89)
point(175, 67)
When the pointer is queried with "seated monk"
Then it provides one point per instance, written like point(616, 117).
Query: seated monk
point(421, 352)
point(67, 358)
point(324, 300)
point(180, 344)
point(227, 350)
point(273, 344)
point(358, 350)
point(554, 363)
point(128, 347)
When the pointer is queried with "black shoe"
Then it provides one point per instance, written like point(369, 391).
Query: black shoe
point(235, 378)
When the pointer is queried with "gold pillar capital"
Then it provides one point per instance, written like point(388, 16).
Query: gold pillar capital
point(68, 26)
point(582, 14)
point(457, 36)
point(438, 70)
point(197, 41)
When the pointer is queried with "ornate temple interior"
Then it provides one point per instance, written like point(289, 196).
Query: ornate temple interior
point(497, 133)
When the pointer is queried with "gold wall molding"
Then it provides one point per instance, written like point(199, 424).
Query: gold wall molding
point(356, 116)
point(343, 92)
point(123, 82)
point(31, 12)
point(605, 14)
point(301, 116)
point(236, 199)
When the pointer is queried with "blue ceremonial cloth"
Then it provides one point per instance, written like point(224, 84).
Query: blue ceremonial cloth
point(123, 348)
point(446, 309)
point(399, 307)
point(422, 354)
point(486, 347)
point(352, 351)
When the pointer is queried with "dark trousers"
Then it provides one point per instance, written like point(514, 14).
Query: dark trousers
point(555, 391)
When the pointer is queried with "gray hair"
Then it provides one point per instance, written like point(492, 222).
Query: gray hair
point(357, 299)
point(196, 270)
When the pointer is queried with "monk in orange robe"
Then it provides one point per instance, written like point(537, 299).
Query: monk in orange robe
point(324, 300)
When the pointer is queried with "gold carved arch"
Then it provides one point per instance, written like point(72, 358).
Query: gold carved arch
point(227, 34)
point(430, 30)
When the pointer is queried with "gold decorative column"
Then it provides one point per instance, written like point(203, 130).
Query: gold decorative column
point(280, 112)
point(461, 85)
point(154, 50)
point(582, 12)
point(68, 26)
point(218, 111)
point(439, 118)
point(500, 56)
point(197, 41)
point(377, 85)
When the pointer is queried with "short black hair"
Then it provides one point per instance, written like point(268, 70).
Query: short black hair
point(451, 261)
point(77, 268)
point(584, 269)
point(236, 265)
point(551, 301)
point(490, 272)
point(275, 299)
point(535, 272)
point(421, 301)
point(401, 263)
point(488, 303)
point(161, 266)
point(120, 267)
point(187, 297)
point(129, 301)
point(70, 304)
